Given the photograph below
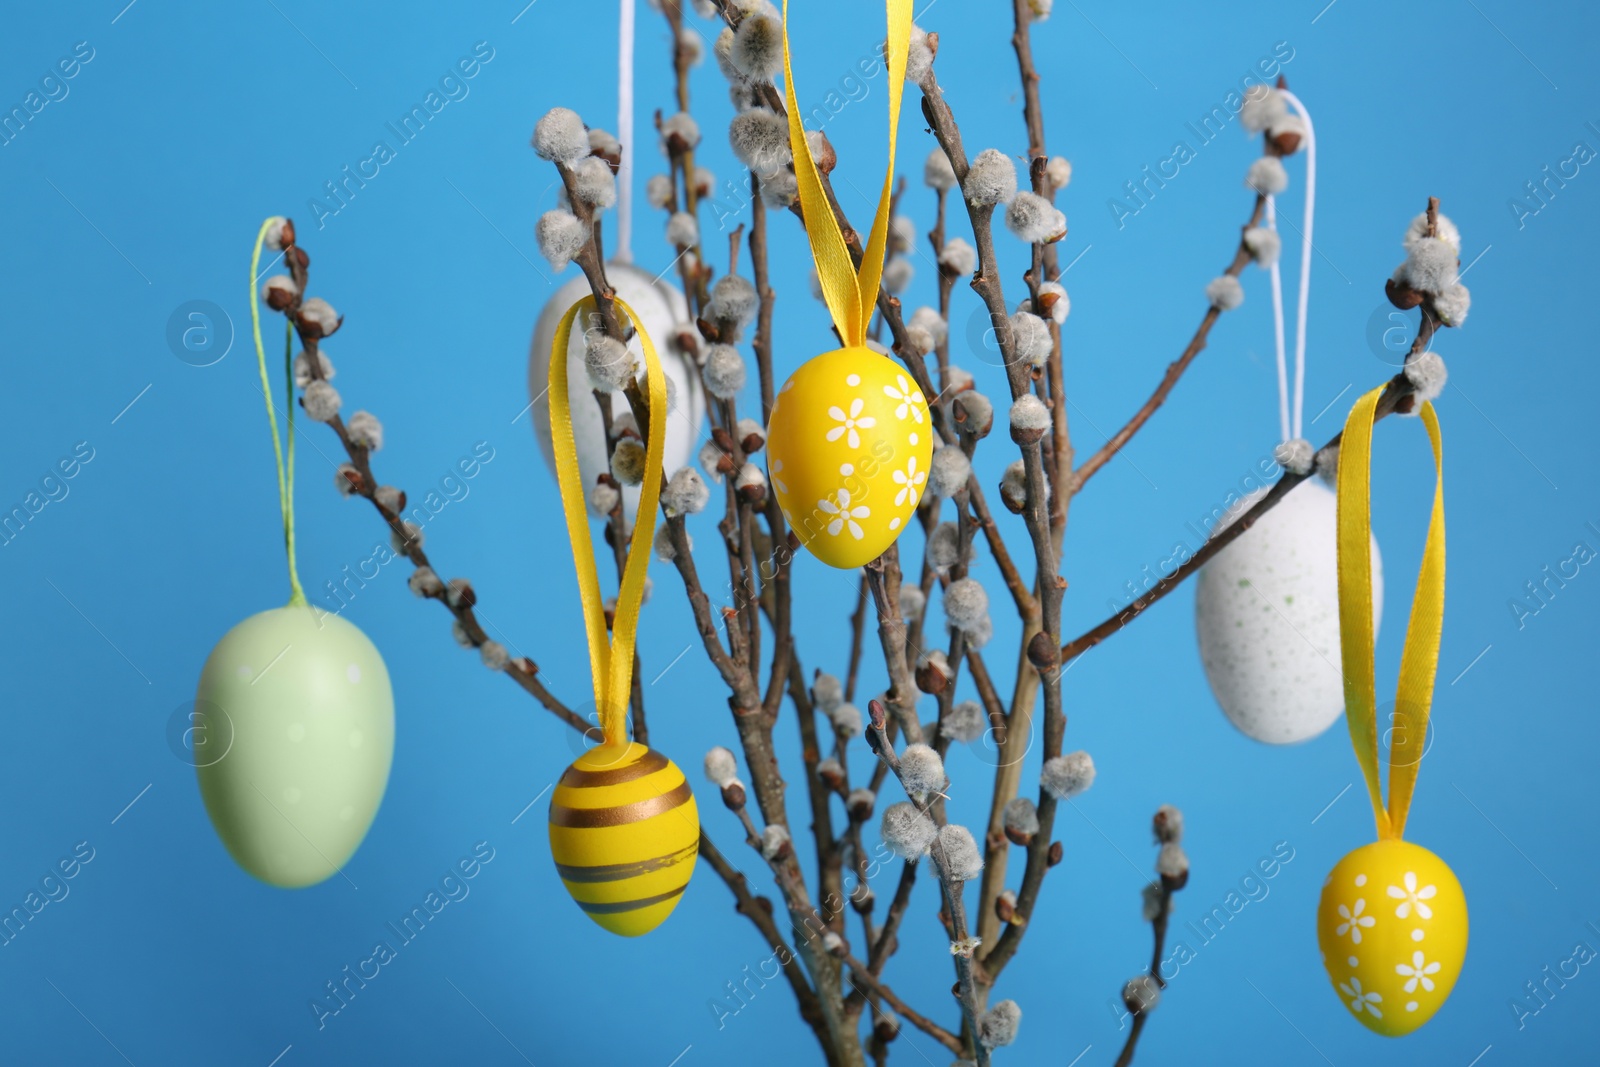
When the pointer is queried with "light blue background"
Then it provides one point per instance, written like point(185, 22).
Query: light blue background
point(142, 189)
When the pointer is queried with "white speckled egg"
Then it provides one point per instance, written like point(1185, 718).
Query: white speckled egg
point(660, 308)
point(308, 705)
point(1267, 615)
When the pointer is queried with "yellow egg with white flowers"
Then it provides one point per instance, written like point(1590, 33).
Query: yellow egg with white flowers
point(848, 450)
point(1392, 926)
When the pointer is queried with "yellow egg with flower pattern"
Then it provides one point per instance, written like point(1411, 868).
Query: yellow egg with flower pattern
point(848, 449)
point(1392, 926)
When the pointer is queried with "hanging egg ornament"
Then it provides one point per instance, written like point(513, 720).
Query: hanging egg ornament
point(848, 449)
point(1392, 921)
point(624, 828)
point(624, 832)
point(1266, 614)
point(850, 439)
point(305, 698)
point(1392, 926)
point(660, 307)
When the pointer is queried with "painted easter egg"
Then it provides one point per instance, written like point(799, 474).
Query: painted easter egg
point(1392, 926)
point(660, 308)
point(1267, 615)
point(306, 698)
point(624, 832)
point(848, 449)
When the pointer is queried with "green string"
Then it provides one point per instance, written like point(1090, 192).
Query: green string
point(297, 596)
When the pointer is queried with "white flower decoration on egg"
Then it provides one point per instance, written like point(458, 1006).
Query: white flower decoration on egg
point(910, 482)
point(849, 423)
point(1354, 921)
point(845, 516)
point(1360, 999)
point(1412, 897)
point(1418, 970)
point(910, 397)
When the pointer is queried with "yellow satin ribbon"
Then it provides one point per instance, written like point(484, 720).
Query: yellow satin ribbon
point(1420, 659)
point(850, 296)
point(610, 660)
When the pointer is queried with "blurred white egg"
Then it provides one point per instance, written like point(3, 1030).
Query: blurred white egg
point(1267, 615)
point(660, 307)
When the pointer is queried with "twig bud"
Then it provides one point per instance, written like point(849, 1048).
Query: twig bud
point(822, 152)
point(1173, 865)
point(751, 484)
point(751, 436)
point(877, 711)
point(278, 292)
point(1141, 994)
point(775, 843)
point(459, 594)
point(1152, 897)
point(1043, 652)
point(831, 773)
point(859, 803)
point(1055, 853)
point(863, 899)
point(933, 672)
point(1030, 419)
point(348, 480)
point(998, 1026)
point(1021, 821)
point(733, 794)
point(1167, 824)
point(1400, 294)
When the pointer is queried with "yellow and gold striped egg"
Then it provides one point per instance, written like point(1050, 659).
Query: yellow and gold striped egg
point(624, 832)
point(848, 449)
point(1392, 925)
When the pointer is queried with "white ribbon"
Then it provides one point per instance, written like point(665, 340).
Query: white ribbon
point(1293, 429)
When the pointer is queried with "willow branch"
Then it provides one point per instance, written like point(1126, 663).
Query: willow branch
point(862, 975)
point(1103, 455)
point(1398, 397)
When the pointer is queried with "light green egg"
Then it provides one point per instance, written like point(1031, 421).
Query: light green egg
point(305, 698)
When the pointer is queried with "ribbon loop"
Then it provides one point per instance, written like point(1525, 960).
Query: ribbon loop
point(1420, 658)
point(851, 295)
point(610, 660)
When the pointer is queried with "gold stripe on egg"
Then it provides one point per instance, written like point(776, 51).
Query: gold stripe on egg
point(651, 761)
point(591, 818)
point(616, 872)
point(594, 908)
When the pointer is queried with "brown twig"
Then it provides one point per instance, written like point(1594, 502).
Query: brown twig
point(862, 975)
point(1398, 397)
point(1104, 454)
point(1164, 886)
